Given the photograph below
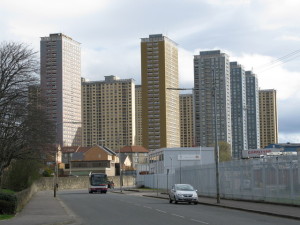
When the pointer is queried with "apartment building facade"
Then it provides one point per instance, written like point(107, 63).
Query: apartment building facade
point(252, 99)
point(108, 109)
point(160, 105)
point(212, 76)
point(268, 117)
point(186, 120)
point(138, 114)
point(61, 85)
point(238, 110)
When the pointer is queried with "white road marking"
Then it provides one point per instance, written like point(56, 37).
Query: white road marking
point(199, 221)
point(147, 207)
point(178, 215)
point(160, 211)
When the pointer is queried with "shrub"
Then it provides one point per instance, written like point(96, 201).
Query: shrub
point(21, 174)
point(8, 203)
point(47, 173)
point(7, 207)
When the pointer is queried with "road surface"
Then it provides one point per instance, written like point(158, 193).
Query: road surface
point(133, 209)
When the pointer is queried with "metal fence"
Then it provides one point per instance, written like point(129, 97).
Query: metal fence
point(268, 179)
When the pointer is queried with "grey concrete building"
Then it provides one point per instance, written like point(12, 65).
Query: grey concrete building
point(61, 85)
point(238, 110)
point(253, 124)
point(205, 64)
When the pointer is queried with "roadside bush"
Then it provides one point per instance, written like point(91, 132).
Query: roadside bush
point(8, 203)
point(21, 174)
point(47, 173)
point(7, 207)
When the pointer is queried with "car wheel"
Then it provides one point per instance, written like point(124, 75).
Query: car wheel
point(189, 202)
point(195, 203)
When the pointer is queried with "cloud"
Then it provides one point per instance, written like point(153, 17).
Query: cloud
point(186, 68)
point(272, 75)
point(288, 137)
point(289, 38)
point(111, 61)
point(54, 8)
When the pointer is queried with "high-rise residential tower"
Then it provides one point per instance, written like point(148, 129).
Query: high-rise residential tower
point(186, 120)
point(160, 105)
point(238, 110)
point(268, 117)
point(109, 112)
point(252, 96)
point(138, 114)
point(61, 85)
point(207, 66)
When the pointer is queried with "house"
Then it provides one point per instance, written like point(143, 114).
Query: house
point(132, 157)
point(79, 160)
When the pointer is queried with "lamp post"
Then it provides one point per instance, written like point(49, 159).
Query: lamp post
point(120, 163)
point(55, 178)
point(216, 138)
point(70, 162)
point(216, 150)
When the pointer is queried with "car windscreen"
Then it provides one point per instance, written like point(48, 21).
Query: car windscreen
point(184, 187)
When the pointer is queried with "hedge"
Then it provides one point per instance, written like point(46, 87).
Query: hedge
point(8, 203)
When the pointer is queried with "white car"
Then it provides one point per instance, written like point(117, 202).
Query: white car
point(183, 193)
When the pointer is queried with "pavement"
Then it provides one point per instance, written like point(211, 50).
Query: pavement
point(44, 209)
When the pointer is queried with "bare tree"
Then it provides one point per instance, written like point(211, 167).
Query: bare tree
point(22, 126)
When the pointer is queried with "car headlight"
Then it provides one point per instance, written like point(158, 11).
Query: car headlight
point(195, 195)
point(179, 195)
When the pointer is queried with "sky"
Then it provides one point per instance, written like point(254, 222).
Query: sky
point(261, 35)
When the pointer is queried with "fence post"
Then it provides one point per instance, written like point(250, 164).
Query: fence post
point(264, 180)
point(291, 181)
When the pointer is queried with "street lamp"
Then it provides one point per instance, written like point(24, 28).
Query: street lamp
point(216, 138)
point(216, 150)
point(55, 178)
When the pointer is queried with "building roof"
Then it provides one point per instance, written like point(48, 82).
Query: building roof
point(134, 149)
point(109, 151)
point(72, 149)
point(288, 147)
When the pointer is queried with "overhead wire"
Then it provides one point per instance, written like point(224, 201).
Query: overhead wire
point(279, 61)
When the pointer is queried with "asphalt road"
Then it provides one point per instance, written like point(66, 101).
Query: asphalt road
point(115, 209)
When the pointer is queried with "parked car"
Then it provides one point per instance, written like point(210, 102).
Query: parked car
point(183, 193)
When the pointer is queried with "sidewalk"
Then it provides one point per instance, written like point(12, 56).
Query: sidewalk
point(292, 212)
point(44, 209)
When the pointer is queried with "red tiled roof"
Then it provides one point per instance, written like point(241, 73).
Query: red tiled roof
point(131, 149)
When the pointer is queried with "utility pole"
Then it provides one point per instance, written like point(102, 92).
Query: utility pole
point(216, 138)
point(216, 150)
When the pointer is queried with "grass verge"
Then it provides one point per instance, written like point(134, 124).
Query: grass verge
point(6, 217)
point(7, 191)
